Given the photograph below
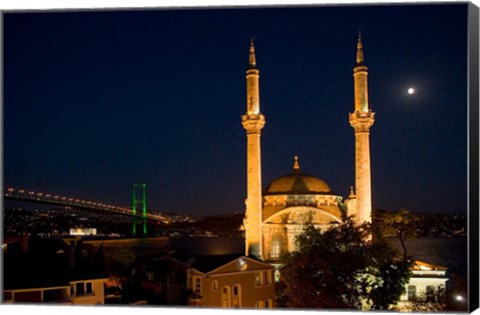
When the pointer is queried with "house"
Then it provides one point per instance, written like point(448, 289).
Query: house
point(50, 271)
point(231, 282)
point(223, 281)
point(161, 279)
point(427, 284)
point(426, 279)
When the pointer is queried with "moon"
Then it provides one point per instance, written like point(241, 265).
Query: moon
point(411, 91)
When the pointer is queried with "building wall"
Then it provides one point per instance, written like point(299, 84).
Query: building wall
point(281, 229)
point(249, 293)
point(66, 295)
point(94, 297)
point(56, 295)
point(218, 289)
point(421, 286)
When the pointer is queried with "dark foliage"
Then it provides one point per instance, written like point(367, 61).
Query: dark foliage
point(343, 269)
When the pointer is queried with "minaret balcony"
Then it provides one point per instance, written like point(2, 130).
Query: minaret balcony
point(359, 114)
point(253, 123)
point(361, 121)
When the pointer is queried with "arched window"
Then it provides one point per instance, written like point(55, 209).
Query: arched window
point(259, 304)
point(214, 285)
point(226, 297)
point(237, 295)
point(275, 247)
point(411, 292)
point(430, 293)
point(268, 303)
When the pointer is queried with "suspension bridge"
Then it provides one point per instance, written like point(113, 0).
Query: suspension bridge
point(137, 211)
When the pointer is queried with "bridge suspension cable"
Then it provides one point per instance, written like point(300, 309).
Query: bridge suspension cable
point(47, 198)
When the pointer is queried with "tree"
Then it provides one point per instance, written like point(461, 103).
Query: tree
point(118, 264)
point(391, 275)
point(399, 223)
point(343, 269)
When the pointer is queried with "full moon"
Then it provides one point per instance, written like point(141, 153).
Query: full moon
point(411, 91)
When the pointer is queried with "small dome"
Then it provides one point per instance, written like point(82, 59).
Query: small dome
point(297, 183)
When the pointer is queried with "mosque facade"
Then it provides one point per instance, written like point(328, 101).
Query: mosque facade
point(275, 215)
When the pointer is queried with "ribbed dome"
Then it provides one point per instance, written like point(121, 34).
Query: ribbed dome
point(297, 183)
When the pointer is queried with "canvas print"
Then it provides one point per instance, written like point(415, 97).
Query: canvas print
point(286, 157)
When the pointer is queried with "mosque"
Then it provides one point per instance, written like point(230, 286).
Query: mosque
point(276, 215)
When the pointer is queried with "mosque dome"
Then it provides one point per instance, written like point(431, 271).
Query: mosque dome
point(297, 183)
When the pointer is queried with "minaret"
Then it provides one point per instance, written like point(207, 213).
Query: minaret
point(253, 122)
point(361, 120)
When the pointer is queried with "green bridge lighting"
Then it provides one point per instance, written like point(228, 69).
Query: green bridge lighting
point(142, 201)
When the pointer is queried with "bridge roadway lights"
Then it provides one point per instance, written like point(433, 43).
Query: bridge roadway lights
point(47, 198)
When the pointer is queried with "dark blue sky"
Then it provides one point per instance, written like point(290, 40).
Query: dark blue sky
point(97, 101)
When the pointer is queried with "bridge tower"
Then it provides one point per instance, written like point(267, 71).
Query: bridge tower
point(140, 190)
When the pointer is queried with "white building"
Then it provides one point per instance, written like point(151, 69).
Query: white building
point(425, 283)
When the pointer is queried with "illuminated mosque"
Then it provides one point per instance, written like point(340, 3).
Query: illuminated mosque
point(276, 215)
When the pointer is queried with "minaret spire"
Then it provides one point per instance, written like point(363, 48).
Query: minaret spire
point(360, 58)
point(253, 61)
point(253, 122)
point(361, 120)
point(360, 73)
point(253, 89)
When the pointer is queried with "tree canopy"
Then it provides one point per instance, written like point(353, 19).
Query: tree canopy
point(399, 223)
point(343, 268)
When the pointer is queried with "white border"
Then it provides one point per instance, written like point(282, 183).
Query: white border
point(20, 5)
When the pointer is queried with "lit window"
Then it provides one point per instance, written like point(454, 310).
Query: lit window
point(258, 278)
point(411, 292)
point(226, 296)
point(277, 275)
point(275, 248)
point(150, 276)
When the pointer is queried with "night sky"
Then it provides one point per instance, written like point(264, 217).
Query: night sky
point(96, 101)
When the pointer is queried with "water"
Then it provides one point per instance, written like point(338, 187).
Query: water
point(446, 252)
point(442, 251)
point(190, 245)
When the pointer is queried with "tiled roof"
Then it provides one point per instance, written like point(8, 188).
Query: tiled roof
point(420, 265)
point(207, 263)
